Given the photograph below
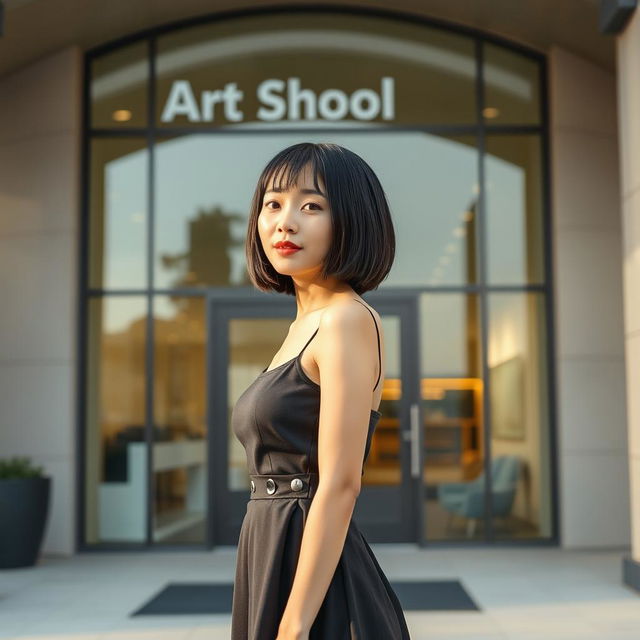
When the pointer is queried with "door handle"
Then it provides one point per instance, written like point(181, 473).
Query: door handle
point(413, 437)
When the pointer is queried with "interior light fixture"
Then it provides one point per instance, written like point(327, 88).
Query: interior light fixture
point(490, 112)
point(121, 115)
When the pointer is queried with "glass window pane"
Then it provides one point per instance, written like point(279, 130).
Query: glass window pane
point(180, 434)
point(118, 212)
point(451, 394)
point(514, 198)
point(115, 455)
point(204, 186)
point(314, 67)
point(520, 447)
point(353, 74)
point(383, 467)
point(252, 345)
point(512, 87)
point(119, 88)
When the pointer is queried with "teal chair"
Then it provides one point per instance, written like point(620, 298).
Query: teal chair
point(466, 499)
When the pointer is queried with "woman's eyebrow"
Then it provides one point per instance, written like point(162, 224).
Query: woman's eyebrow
point(313, 191)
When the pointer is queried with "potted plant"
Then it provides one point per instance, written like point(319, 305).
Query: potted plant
point(24, 507)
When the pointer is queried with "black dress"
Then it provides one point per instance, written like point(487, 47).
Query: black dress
point(276, 420)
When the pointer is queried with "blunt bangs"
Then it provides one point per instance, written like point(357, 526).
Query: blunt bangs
point(284, 170)
point(362, 249)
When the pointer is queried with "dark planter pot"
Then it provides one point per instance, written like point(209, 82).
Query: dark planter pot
point(24, 507)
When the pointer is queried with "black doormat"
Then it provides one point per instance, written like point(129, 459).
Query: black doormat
point(205, 598)
point(434, 595)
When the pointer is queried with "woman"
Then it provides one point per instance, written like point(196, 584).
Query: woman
point(319, 229)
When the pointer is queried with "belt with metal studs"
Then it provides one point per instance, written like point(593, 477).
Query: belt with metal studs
point(288, 485)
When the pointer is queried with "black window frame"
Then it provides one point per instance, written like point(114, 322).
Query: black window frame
point(480, 129)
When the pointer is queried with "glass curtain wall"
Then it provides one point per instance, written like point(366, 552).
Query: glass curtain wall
point(179, 125)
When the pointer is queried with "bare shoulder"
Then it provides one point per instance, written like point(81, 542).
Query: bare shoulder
point(345, 327)
point(347, 316)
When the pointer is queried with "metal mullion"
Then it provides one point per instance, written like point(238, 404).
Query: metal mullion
point(484, 294)
point(450, 27)
point(548, 297)
point(201, 292)
point(443, 130)
point(133, 132)
point(439, 130)
point(81, 316)
point(150, 359)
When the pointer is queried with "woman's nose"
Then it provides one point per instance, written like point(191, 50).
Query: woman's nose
point(285, 219)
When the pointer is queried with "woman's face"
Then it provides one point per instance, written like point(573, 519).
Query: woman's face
point(301, 216)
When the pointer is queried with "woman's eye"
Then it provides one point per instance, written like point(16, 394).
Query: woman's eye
point(266, 204)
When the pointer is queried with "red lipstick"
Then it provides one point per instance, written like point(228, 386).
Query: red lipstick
point(286, 247)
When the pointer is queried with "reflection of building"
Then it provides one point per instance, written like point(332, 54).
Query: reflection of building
point(504, 402)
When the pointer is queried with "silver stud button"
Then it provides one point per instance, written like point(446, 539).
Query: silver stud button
point(271, 486)
point(296, 484)
point(253, 486)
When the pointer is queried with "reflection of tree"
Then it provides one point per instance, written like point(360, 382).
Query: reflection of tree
point(180, 337)
point(179, 367)
point(207, 259)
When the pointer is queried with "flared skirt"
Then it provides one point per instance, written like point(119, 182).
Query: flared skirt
point(360, 603)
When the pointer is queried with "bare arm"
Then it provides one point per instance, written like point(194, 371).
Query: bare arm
point(347, 362)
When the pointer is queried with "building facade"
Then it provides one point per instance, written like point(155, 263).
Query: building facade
point(507, 149)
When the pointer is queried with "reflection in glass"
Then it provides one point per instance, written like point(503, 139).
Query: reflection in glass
point(253, 342)
point(179, 451)
point(512, 87)
point(313, 68)
point(203, 191)
point(384, 464)
point(448, 229)
point(115, 455)
point(118, 213)
point(515, 238)
point(204, 186)
point(520, 445)
point(119, 87)
point(451, 392)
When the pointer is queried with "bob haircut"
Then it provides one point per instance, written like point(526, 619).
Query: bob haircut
point(362, 249)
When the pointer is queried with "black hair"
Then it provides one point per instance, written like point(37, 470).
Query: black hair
point(362, 249)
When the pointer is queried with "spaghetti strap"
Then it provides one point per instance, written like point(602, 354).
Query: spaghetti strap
point(378, 336)
point(308, 341)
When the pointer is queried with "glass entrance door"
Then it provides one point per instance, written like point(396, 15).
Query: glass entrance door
point(245, 331)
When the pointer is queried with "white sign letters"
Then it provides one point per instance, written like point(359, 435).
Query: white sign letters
point(280, 100)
